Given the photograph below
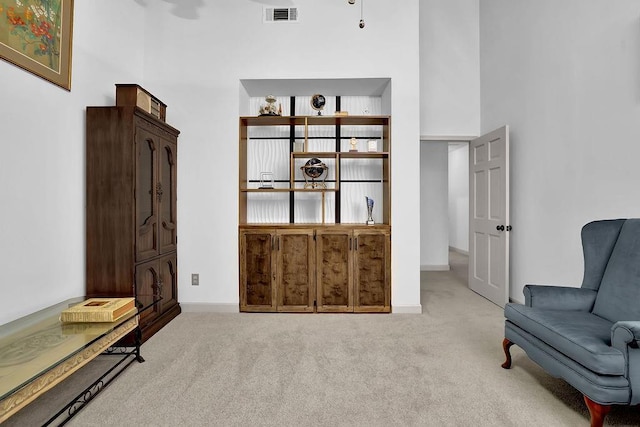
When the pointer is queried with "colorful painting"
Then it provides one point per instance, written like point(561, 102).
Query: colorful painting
point(36, 35)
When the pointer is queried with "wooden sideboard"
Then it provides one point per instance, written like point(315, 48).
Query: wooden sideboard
point(304, 239)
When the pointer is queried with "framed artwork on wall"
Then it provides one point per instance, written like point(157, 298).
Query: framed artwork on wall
point(36, 35)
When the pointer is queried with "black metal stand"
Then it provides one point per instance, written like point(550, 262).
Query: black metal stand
point(129, 355)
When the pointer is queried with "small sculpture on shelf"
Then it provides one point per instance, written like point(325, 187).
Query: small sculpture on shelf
point(266, 180)
point(270, 109)
point(369, 210)
point(354, 145)
point(315, 169)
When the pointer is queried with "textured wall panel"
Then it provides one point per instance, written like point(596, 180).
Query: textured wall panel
point(266, 208)
point(308, 208)
point(353, 203)
point(361, 105)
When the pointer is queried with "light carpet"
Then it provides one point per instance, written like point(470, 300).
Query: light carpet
point(440, 368)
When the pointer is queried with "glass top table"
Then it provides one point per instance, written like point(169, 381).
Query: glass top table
point(39, 344)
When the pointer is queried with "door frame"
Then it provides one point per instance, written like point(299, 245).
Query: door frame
point(460, 139)
point(466, 139)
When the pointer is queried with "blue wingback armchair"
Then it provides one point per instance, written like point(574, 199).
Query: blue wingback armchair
point(588, 336)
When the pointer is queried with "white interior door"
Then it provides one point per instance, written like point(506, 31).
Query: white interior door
point(489, 216)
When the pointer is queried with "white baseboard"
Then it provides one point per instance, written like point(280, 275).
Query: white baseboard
point(202, 307)
point(460, 251)
point(517, 301)
point(442, 267)
point(406, 309)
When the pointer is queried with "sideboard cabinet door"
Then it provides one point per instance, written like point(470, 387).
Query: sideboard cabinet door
point(257, 271)
point(372, 267)
point(295, 270)
point(334, 271)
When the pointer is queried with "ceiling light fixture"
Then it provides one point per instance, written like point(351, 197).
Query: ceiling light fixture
point(361, 24)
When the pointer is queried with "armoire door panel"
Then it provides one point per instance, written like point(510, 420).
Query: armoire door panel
point(167, 198)
point(146, 196)
point(146, 283)
point(169, 280)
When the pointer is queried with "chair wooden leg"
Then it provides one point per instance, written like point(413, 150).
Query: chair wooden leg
point(506, 345)
point(597, 412)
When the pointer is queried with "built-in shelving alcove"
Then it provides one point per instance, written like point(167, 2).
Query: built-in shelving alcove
point(319, 244)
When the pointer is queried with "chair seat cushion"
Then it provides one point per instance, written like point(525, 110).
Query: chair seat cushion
point(580, 335)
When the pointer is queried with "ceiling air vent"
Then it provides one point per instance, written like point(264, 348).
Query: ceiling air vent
point(280, 14)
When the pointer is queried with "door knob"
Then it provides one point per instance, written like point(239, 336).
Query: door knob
point(500, 228)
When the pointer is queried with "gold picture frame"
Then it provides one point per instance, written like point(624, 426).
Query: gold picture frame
point(36, 35)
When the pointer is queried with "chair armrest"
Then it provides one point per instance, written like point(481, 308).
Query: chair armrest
point(559, 297)
point(625, 333)
point(625, 336)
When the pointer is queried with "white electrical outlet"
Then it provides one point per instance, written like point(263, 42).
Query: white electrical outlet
point(195, 279)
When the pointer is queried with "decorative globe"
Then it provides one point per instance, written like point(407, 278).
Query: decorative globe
point(317, 103)
point(314, 172)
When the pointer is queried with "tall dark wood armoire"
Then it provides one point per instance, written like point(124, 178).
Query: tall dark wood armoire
point(131, 233)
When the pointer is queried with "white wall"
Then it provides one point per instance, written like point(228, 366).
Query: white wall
point(42, 161)
point(449, 67)
point(459, 197)
point(566, 83)
point(434, 205)
point(195, 66)
point(565, 76)
point(449, 104)
point(194, 62)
